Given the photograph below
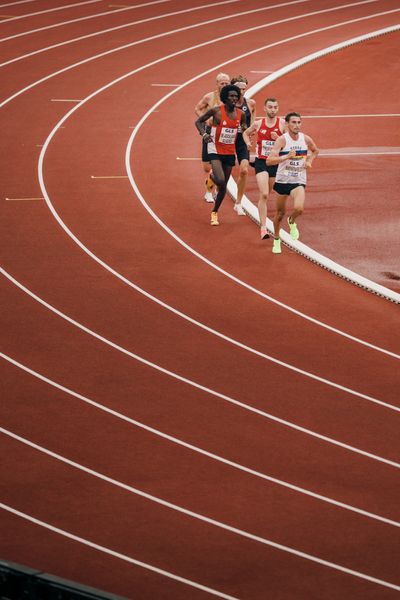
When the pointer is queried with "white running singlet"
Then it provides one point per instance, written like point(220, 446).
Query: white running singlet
point(293, 169)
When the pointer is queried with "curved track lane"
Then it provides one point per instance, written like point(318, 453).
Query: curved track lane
point(231, 460)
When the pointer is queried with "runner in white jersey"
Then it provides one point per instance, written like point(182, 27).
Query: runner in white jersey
point(294, 153)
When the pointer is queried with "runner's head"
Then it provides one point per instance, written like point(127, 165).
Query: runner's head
point(241, 82)
point(271, 107)
point(230, 95)
point(293, 121)
point(221, 80)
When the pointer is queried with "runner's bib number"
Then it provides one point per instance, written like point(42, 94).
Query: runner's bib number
point(294, 168)
point(266, 147)
point(227, 135)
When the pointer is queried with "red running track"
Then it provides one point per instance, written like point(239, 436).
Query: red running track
point(271, 430)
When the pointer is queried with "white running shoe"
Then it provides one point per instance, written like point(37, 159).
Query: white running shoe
point(238, 208)
point(208, 197)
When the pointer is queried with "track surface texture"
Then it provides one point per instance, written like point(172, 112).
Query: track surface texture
point(185, 415)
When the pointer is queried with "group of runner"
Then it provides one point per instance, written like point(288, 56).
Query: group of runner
point(227, 123)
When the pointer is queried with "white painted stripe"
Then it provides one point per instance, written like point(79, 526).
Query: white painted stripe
point(180, 241)
point(14, 3)
point(62, 224)
point(147, 39)
point(141, 21)
point(49, 10)
point(141, 493)
point(20, 199)
point(270, 543)
point(221, 459)
point(153, 365)
point(299, 246)
point(115, 554)
point(70, 21)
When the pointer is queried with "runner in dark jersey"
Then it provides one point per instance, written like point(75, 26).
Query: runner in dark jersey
point(248, 106)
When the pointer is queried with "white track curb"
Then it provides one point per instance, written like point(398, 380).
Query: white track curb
point(297, 246)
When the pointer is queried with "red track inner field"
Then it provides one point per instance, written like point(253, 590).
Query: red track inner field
point(351, 200)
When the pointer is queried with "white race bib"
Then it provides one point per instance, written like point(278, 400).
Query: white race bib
point(227, 135)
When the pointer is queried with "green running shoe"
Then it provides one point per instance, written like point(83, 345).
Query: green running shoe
point(294, 232)
point(276, 247)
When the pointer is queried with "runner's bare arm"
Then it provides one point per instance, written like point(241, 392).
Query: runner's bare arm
point(250, 131)
point(313, 151)
point(200, 123)
point(252, 106)
point(202, 105)
point(274, 158)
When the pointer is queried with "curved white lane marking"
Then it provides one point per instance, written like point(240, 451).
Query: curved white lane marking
point(156, 366)
point(130, 24)
point(212, 264)
point(115, 554)
point(49, 10)
point(95, 16)
point(270, 543)
point(298, 246)
point(108, 52)
point(221, 459)
point(139, 492)
point(18, 2)
point(265, 356)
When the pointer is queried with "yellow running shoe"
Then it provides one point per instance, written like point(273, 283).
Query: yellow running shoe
point(214, 218)
point(294, 232)
point(276, 247)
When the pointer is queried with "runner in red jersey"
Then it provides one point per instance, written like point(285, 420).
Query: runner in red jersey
point(226, 120)
point(209, 101)
point(268, 130)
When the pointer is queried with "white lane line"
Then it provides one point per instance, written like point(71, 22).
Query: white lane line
point(94, 16)
point(115, 554)
point(180, 52)
point(270, 543)
point(14, 3)
point(21, 199)
point(184, 380)
point(265, 296)
point(195, 25)
point(49, 10)
point(167, 33)
point(139, 492)
point(220, 459)
point(179, 377)
point(133, 183)
point(101, 32)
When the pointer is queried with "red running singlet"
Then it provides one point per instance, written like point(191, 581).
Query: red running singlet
point(224, 135)
point(264, 139)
